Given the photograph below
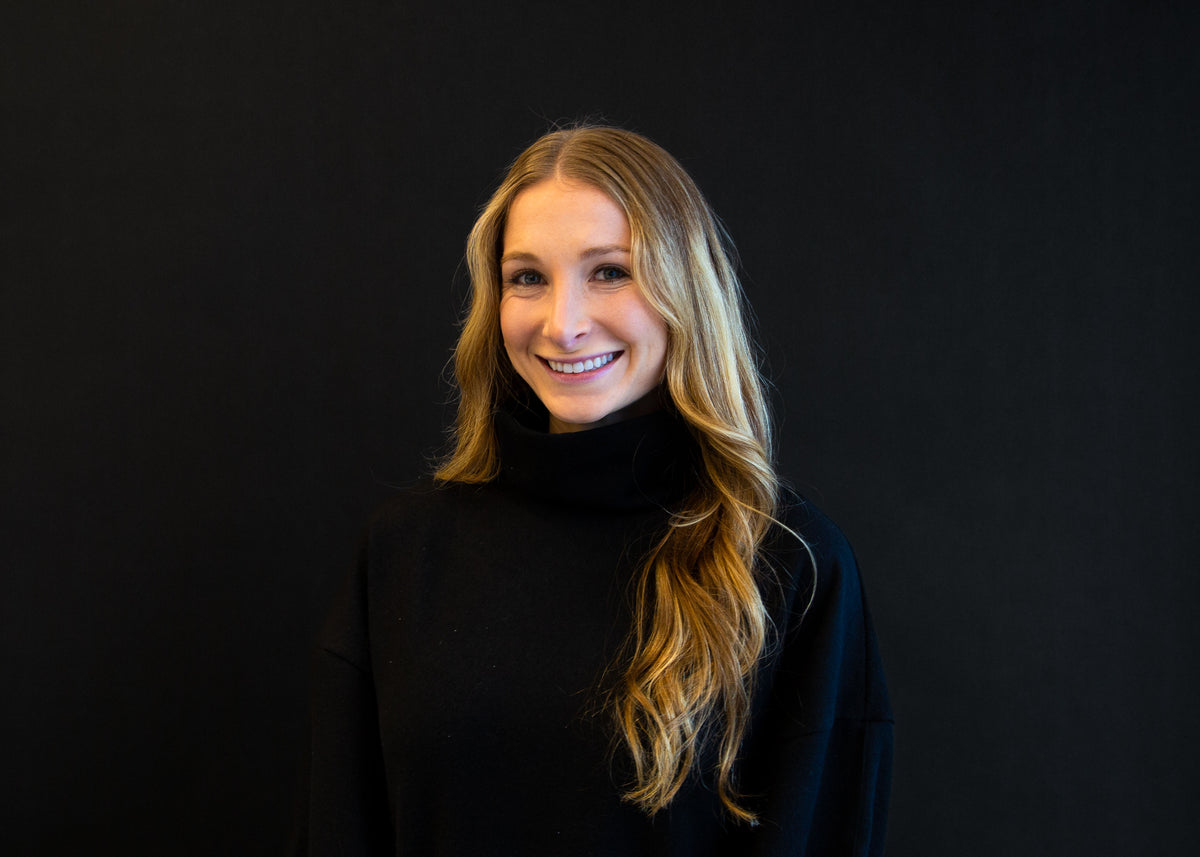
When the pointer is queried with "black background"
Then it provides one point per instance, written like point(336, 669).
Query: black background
point(231, 271)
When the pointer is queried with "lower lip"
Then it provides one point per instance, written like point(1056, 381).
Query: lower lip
point(582, 377)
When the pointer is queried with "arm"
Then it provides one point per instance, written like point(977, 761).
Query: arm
point(820, 756)
point(344, 802)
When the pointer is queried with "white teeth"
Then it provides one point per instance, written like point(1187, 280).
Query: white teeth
point(582, 366)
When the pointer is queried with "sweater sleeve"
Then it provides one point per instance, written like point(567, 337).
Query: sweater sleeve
point(343, 808)
point(820, 756)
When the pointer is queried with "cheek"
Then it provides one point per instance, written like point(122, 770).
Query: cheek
point(653, 339)
point(649, 331)
point(661, 336)
point(510, 324)
point(661, 344)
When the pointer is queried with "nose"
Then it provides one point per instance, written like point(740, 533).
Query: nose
point(567, 320)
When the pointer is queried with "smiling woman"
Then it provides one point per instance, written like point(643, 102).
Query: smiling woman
point(604, 626)
point(574, 322)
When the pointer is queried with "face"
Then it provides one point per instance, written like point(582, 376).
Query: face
point(574, 322)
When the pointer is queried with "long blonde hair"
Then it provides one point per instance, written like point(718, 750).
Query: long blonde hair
point(700, 623)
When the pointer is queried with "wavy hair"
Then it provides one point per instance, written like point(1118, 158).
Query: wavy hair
point(700, 623)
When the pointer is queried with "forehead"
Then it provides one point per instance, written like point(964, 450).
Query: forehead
point(563, 212)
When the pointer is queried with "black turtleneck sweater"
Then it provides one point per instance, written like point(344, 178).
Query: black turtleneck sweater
point(458, 683)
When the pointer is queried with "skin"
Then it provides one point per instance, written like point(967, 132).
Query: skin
point(568, 296)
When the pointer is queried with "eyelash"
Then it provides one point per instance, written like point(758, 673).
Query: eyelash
point(515, 279)
point(622, 274)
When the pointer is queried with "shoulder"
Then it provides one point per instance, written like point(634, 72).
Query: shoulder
point(427, 504)
point(417, 534)
point(817, 530)
point(808, 549)
point(416, 499)
point(827, 638)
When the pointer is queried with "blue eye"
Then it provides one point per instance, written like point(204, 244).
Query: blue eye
point(525, 278)
point(611, 272)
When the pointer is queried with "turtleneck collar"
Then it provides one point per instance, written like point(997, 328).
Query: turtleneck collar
point(631, 465)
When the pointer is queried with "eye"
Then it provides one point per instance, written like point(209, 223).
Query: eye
point(611, 273)
point(524, 277)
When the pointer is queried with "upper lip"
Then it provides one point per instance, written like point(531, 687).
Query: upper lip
point(583, 359)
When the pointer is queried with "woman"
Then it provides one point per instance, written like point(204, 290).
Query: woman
point(603, 628)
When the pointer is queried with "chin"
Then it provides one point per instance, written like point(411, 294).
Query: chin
point(582, 417)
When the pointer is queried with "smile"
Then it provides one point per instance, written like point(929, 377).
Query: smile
point(583, 365)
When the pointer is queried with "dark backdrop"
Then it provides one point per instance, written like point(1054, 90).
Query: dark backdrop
point(231, 270)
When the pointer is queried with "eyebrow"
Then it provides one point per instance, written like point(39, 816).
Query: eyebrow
point(590, 253)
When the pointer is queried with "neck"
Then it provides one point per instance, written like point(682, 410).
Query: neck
point(635, 463)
